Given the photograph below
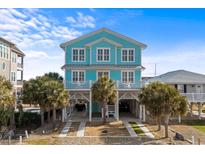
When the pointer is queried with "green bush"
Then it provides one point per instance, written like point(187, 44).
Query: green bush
point(27, 119)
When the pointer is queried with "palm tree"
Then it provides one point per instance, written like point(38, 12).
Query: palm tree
point(104, 91)
point(163, 101)
point(54, 76)
point(7, 102)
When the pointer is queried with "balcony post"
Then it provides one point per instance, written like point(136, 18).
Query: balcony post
point(140, 112)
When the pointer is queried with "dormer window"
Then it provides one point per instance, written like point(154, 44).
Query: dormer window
point(103, 55)
point(78, 54)
point(128, 55)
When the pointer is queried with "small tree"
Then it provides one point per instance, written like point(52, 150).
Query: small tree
point(163, 101)
point(104, 91)
point(7, 102)
point(54, 76)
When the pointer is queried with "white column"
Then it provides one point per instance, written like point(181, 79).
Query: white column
point(179, 118)
point(117, 107)
point(199, 110)
point(90, 107)
point(140, 113)
point(144, 114)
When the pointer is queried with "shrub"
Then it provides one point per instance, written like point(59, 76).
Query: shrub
point(27, 119)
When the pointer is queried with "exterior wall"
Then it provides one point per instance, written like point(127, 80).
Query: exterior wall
point(191, 88)
point(113, 49)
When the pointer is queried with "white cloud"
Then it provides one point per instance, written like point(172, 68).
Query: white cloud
point(81, 21)
point(187, 56)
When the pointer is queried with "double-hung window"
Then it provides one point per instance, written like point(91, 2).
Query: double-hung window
point(101, 74)
point(103, 54)
point(128, 55)
point(78, 76)
point(13, 76)
point(128, 76)
point(78, 55)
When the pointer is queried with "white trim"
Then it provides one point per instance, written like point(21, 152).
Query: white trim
point(90, 55)
point(128, 61)
point(97, 71)
point(102, 48)
point(78, 75)
point(143, 46)
point(104, 39)
point(128, 75)
point(78, 54)
point(115, 55)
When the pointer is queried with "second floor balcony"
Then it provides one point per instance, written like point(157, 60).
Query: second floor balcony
point(86, 85)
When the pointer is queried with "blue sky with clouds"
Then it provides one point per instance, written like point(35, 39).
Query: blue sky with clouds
point(175, 37)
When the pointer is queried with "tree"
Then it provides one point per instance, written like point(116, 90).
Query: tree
point(7, 102)
point(56, 96)
point(54, 76)
point(48, 93)
point(163, 101)
point(104, 91)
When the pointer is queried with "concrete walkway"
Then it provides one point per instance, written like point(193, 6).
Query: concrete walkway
point(145, 130)
point(130, 129)
point(81, 129)
point(65, 130)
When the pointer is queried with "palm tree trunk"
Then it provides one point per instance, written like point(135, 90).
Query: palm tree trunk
point(42, 116)
point(166, 123)
point(104, 112)
point(54, 117)
point(159, 123)
point(12, 121)
point(49, 115)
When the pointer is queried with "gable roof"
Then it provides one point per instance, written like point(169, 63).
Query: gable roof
point(104, 39)
point(180, 77)
point(12, 46)
point(143, 46)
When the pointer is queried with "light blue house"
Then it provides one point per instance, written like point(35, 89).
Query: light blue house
point(104, 53)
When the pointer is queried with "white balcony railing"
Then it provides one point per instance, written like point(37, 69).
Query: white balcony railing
point(88, 84)
point(19, 65)
point(195, 97)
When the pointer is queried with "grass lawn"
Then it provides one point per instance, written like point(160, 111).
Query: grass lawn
point(198, 124)
point(136, 128)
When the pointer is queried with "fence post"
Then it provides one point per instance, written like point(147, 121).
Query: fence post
point(9, 141)
point(26, 133)
point(20, 139)
point(199, 141)
point(192, 139)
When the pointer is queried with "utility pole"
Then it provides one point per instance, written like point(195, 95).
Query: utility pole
point(155, 69)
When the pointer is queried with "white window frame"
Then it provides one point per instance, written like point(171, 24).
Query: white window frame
point(128, 76)
point(13, 76)
point(78, 49)
point(102, 71)
point(78, 76)
point(128, 54)
point(103, 58)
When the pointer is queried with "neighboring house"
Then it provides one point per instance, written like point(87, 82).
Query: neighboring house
point(104, 53)
point(11, 64)
point(189, 84)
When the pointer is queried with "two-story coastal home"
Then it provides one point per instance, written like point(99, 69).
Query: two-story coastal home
point(11, 64)
point(104, 53)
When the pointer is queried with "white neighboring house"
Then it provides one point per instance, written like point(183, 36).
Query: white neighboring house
point(189, 84)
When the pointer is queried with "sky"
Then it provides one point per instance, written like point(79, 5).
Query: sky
point(175, 37)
